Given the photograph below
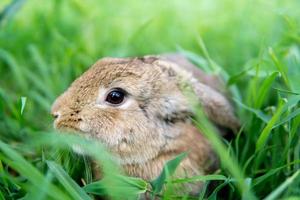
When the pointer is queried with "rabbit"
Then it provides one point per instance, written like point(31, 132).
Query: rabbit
point(137, 108)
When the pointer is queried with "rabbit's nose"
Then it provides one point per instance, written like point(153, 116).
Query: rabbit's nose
point(55, 115)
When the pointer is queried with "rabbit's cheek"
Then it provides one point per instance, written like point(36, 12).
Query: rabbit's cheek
point(84, 127)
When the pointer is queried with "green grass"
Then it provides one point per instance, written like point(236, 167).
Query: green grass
point(254, 45)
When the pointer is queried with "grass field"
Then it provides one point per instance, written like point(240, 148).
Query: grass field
point(253, 44)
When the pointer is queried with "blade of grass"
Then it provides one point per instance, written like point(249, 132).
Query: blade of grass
point(168, 170)
point(263, 89)
point(203, 191)
point(41, 100)
point(262, 139)
point(5, 98)
point(216, 69)
point(39, 62)
point(227, 161)
point(201, 178)
point(11, 9)
point(109, 167)
point(67, 182)
point(233, 79)
point(280, 67)
point(295, 126)
point(15, 68)
point(1, 196)
point(292, 115)
point(213, 195)
point(132, 185)
point(194, 58)
point(38, 82)
point(35, 194)
point(30, 172)
point(265, 118)
point(271, 172)
point(286, 91)
point(23, 103)
point(276, 193)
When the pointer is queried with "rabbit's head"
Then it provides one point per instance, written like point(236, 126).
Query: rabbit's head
point(133, 106)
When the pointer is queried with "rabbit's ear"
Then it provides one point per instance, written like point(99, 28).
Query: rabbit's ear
point(215, 104)
point(212, 81)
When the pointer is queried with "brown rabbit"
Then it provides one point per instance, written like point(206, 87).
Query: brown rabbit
point(136, 107)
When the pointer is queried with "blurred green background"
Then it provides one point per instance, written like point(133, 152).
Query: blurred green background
point(45, 45)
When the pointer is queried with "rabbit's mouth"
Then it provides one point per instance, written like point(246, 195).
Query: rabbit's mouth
point(70, 130)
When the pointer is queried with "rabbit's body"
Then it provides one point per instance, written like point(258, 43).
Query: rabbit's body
point(200, 160)
point(152, 123)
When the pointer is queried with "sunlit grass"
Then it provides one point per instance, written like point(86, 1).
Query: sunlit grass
point(253, 45)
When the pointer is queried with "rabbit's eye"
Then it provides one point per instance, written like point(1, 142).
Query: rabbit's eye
point(115, 96)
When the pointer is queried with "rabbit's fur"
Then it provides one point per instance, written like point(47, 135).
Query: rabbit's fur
point(154, 124)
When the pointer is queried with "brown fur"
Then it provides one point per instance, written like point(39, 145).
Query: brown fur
point(155, 124)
